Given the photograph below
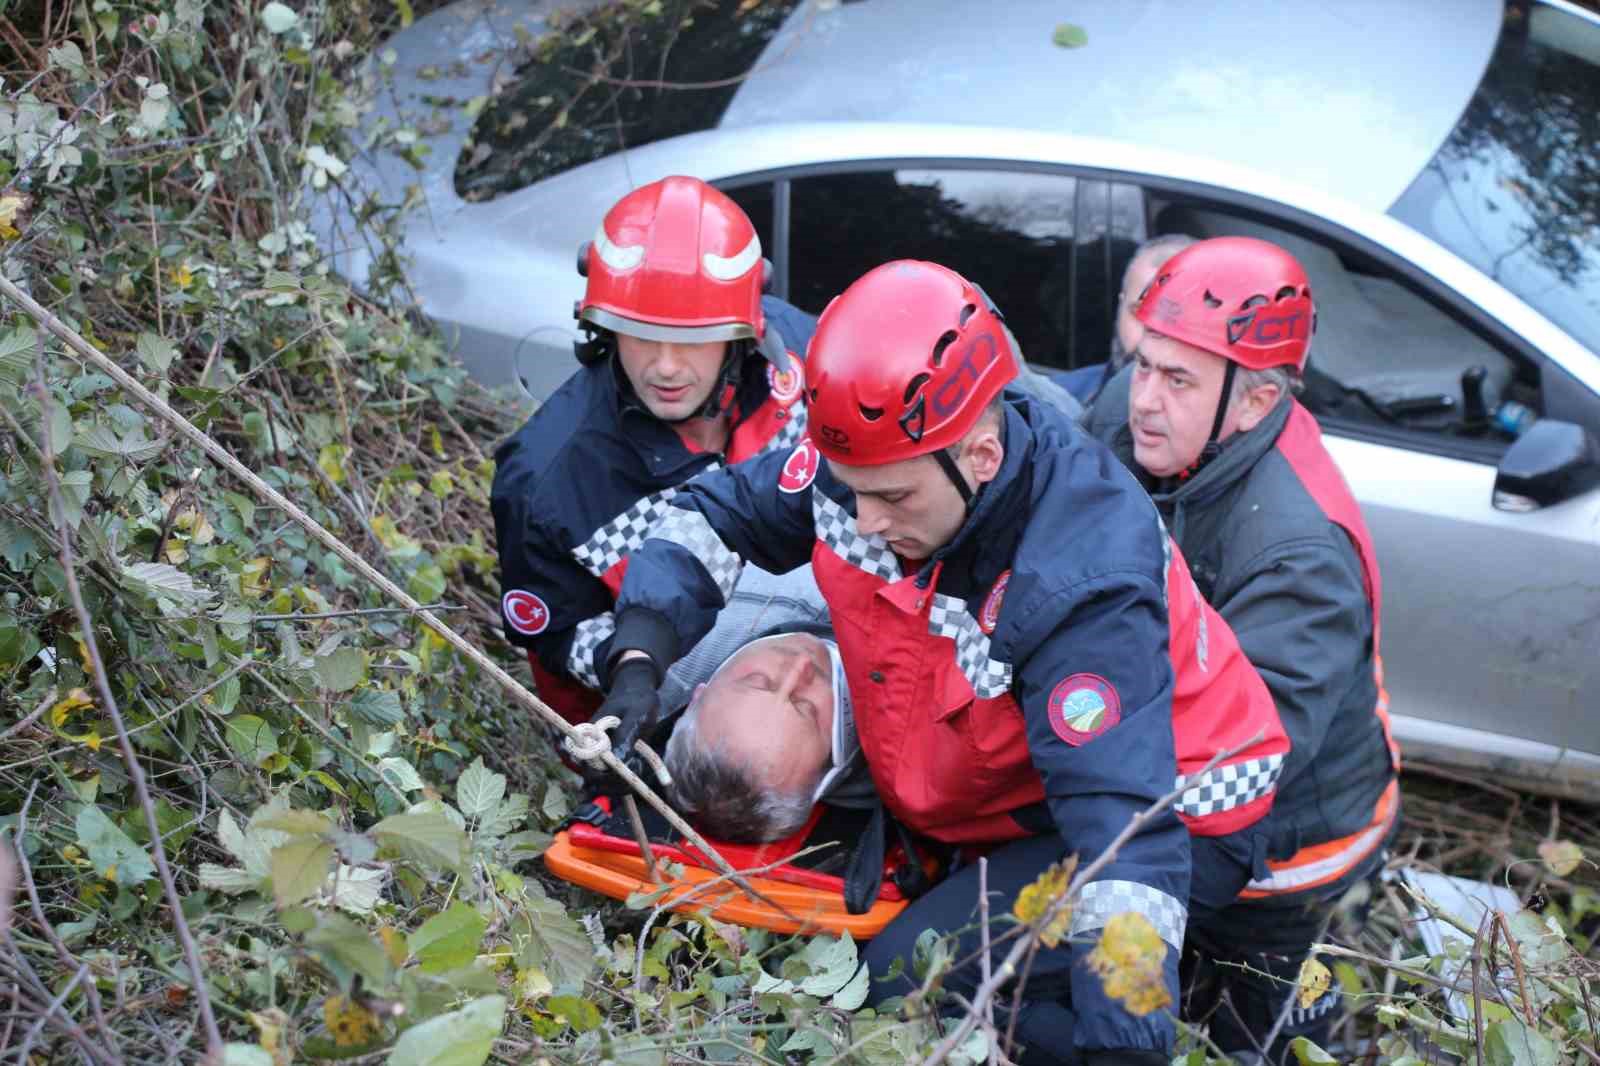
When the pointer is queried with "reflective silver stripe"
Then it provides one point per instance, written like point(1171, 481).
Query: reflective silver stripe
point(1103, 900)
point(690, 530)
point(789, 436)
point(1291, 878)
point(1225, 787)
point(949, 617)
point(621, 537)
point(836, 528)
point(587, 636)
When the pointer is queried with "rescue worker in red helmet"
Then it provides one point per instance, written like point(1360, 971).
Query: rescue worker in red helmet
point(685, 366)
point(1207, 419)
point(1003, 596)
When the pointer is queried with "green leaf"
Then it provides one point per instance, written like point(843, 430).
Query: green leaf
point(854, 992)
point(252, 739)
point(479, 790)
point(1512, 1043)
point(299, 869)
point(399, 773)
point(377, 706)
point(1309, 1054)
point(155, 352)
point(229, 879)
point(235, 1053)
point(553, 941)
point(1069, 35)
point(449, 939)
point(579, 1012)
point(102, 442)
point(163, 579)
point(427, 584)
point(341, 669)
point(430, 839)
point(16, 358)
point(831, 964)
point(348, 950)
point(112, 852)
point(295, 822)
point(460, 1038)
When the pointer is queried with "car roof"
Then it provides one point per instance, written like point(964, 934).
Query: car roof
point(1353, 97)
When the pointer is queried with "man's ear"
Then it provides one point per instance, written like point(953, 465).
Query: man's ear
point(1256, 404)
point(985, 453)
point(694, 697)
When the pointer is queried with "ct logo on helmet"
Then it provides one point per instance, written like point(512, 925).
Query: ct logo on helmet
point(1265, 330)
point(989, 616)
point(1168, 309)
point(1082, 707)
point(800, 469)
point(835, 437)
point(785, 385)
point(525, 612)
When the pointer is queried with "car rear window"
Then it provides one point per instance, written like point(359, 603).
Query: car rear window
point(618, 76)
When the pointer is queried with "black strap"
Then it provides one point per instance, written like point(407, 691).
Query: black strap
point(1213, 447)
point(953, 472)
point(863, 875)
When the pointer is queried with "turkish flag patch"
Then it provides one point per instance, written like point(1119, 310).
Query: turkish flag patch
point(1082, 707)
point(800, 469)
point(525, 612)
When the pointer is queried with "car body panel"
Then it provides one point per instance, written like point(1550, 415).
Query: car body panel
point(1281, 88)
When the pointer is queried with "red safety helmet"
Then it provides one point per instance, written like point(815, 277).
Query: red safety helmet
point(902, 364)
point(1244, 299)
point(676, 260)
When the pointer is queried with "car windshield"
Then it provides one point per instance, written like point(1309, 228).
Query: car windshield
point(621, 75)
point(1515, 190)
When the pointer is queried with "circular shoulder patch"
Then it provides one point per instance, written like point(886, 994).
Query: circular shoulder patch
point(525, 612)
point(989, 616)
point(785, 385)
point(800, 469)
point(1082, 707)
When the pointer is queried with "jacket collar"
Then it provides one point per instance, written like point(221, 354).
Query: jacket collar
point(656, 442)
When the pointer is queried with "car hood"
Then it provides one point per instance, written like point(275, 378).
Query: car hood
point(1351, 97)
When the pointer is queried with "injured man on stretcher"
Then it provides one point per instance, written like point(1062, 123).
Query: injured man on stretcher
point(766, 731)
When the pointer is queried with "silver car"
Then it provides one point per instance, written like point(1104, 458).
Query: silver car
point(1435, 167)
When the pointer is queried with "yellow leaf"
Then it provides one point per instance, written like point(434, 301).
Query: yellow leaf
point(331, 460)
point(75, 700)
point(349, 1022)
point(436, 441)
point(532, 985)
point(182, 276)
point(1314, 980)
point(252, 577)
point(73, 854)
point(1561, 857)
point(1129, 961)
point(394, 945)
point(270, 1024)
point(83, 656)
point(110, 873)
point(91, 740)
point(1034, 901)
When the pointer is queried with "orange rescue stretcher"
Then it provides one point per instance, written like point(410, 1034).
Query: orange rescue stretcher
point(598, 851)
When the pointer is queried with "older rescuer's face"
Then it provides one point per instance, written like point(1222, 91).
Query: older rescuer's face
point(771, 708)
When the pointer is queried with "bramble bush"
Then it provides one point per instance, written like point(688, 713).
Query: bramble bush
point(351, 812)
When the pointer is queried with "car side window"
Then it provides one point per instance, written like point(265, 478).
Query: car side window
point(1385, 357)
point(1048, 248)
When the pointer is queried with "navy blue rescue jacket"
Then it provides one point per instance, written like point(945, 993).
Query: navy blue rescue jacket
point(579, 486)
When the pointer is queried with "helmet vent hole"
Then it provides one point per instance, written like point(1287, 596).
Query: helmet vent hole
point(1286, 293)
point(871, 414)
point(1255, 301)
point(916, 383)
point(1211, 301)
point(946, 339)
point(967, 312)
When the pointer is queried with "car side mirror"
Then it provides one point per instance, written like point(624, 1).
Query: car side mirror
point(1552, 461)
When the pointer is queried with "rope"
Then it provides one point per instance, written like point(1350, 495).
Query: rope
point(92, 356)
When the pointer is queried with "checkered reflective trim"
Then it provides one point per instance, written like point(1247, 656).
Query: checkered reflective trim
point(1224, 787)
point(587, 636)
point(949, 617)
point(1103, 900)
point(789, 436)
point(620, 537)
point(690, 530)
point(836, 528)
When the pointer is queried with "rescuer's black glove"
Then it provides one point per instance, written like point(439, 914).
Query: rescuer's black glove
point(633, 699)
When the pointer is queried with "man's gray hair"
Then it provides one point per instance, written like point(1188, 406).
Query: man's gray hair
point(1160, 249)
point(722, 795)
point(1287, 381)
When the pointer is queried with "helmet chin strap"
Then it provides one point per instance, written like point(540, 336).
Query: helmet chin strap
point(727, 385)
point(953, 472)
point(1213, 446)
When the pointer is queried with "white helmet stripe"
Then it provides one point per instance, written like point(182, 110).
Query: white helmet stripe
point(727, 268)
point(617, 256)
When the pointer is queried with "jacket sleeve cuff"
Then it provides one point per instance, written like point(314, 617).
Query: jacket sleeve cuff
point(641, 629)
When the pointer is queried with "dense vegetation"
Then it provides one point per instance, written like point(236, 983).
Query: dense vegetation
point(261, 813)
